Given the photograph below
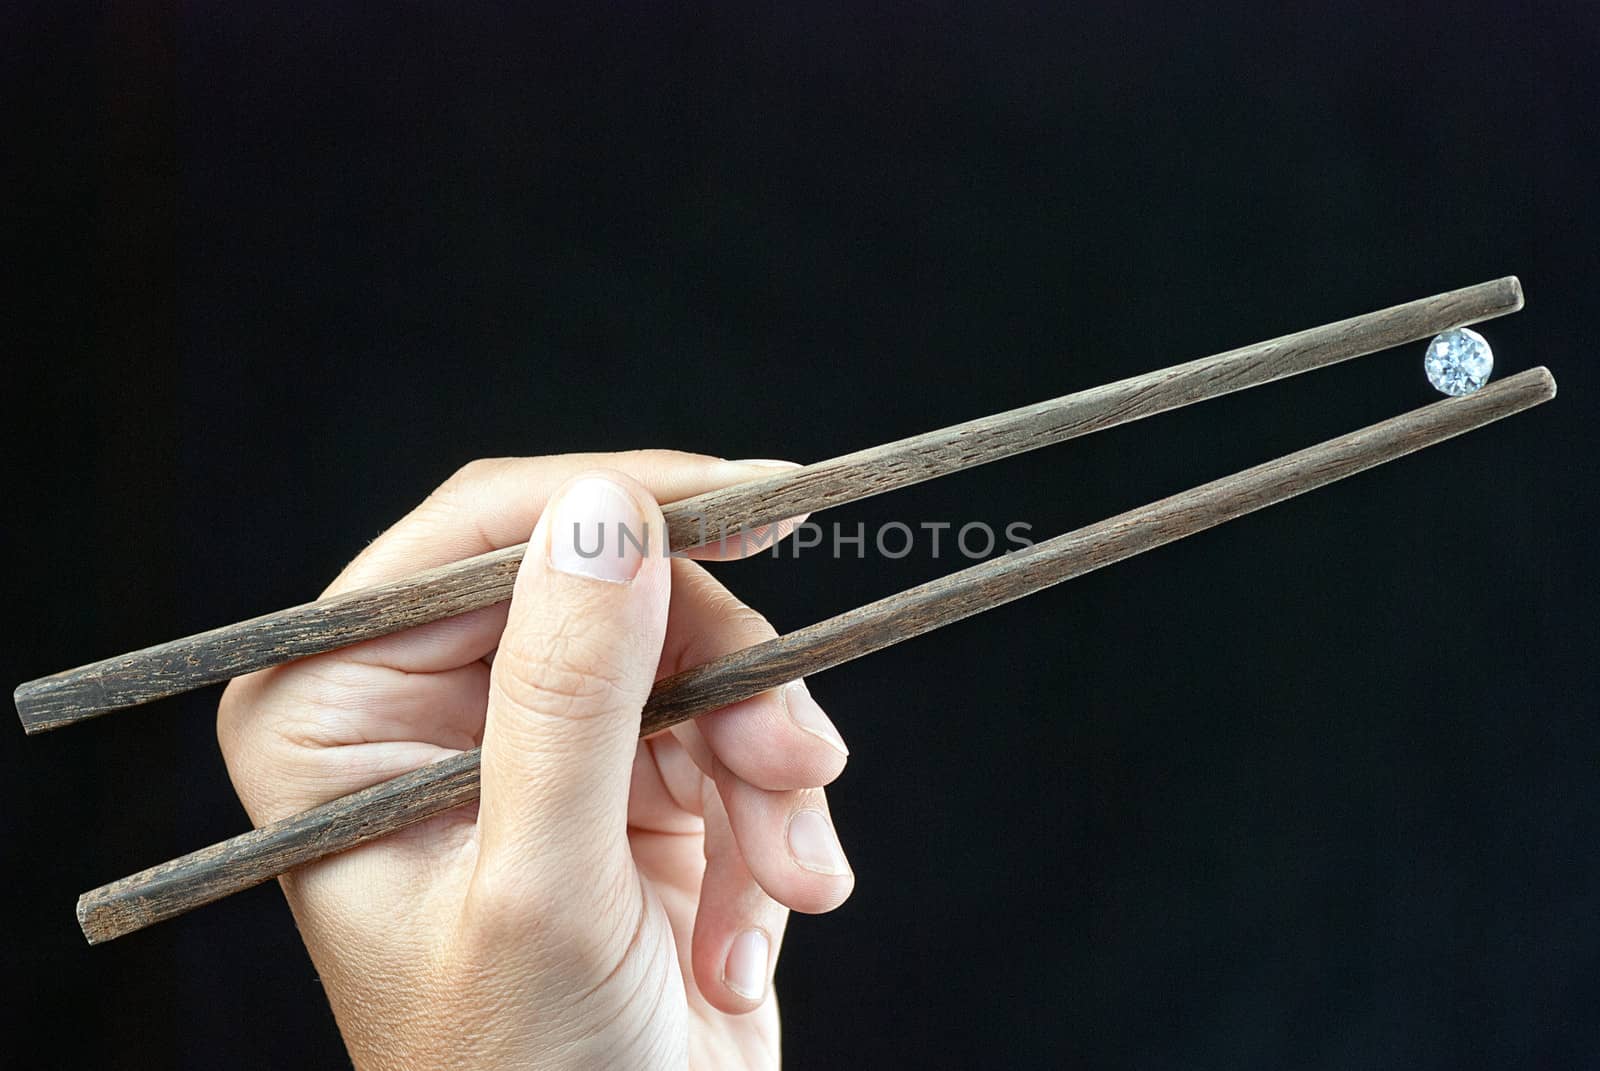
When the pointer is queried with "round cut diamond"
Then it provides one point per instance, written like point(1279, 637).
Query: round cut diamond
point(1459, 361)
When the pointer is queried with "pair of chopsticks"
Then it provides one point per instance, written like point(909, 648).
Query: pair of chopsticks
point(244, 861)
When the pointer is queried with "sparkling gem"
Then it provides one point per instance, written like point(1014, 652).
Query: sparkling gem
point(1459, 361)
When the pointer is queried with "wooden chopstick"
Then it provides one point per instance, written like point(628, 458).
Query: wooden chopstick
point(312, 628)
point(244, 861)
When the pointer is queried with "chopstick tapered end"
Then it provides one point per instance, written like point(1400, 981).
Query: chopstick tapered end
point(86, 922)
point(25, 699)
point(103, 916)
point(1514, 287)
point(75, 695)
point(1489, 299)
point(40, 708)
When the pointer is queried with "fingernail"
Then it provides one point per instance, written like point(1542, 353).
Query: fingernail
point(596, 530)
point(766, 463)
point(804, 712)
point(746, 970)
point(813, 845)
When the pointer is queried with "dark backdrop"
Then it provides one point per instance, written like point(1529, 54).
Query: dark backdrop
point(1317, 789)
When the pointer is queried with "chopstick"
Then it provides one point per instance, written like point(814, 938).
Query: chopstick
point(209, 874)
point(311, 628)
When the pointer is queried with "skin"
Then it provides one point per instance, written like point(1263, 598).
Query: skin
point(610, 901)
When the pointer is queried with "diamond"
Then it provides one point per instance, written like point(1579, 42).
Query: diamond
point(1458, 362)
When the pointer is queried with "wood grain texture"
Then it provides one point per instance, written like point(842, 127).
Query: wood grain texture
point(212, 873)
point(312, 628)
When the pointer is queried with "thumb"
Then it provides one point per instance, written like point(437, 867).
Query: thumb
point(575, 664)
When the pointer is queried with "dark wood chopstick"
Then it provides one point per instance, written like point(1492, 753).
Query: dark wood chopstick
point(209, 874)
point(312, 628)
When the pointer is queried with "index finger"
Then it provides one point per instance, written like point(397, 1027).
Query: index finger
point(494, 503)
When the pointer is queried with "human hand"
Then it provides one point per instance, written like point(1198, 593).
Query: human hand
point(612, 901)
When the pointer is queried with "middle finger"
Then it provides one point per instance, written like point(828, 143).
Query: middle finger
point(778, 740)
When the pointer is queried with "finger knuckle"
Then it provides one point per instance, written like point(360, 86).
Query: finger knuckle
point(473, 471)
point(731, 625)
point(534, 908)
point(242, 710)
point(458, 486)
point(735, 617)
point(560, 675)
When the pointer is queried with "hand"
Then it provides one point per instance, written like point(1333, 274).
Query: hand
point(611, 902)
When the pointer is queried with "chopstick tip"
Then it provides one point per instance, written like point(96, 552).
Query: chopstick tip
point(20, 698)
point(36, 717)
point(86, 922)
point(1514, 285)
point(101, 920)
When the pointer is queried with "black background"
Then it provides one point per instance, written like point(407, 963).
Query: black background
point(1317, 789)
